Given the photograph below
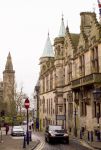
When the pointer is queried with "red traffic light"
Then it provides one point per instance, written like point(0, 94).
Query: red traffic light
point(27, 103)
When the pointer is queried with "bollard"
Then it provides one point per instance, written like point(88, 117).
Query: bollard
point(80, 134)
point(98, 135)
point(1, 140)
point(30, 136)
point(27, 137)
point(91, 136)
point(24, 141)
point(88, 136)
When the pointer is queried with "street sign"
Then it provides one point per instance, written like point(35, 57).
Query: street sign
point(27, 103)
point(61, 117)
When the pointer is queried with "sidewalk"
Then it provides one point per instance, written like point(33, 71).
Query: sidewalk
point(8, 143)
point(93, 144)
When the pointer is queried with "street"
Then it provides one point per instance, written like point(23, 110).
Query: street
point(73, 145)
point(39, 136)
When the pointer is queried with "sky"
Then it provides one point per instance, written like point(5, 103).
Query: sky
point(24, 25)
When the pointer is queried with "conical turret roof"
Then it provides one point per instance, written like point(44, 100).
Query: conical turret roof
point(48, 49)
point(9, 65)
point(62, 30)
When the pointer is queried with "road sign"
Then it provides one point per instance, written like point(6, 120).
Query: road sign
point(27, 103)
point(61, 117)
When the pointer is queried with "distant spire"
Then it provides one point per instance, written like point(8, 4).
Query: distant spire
point(99, 5)
point(48, 50)
point(62, 30)
point(94, 7)
point(67, 29)
point(9, 65)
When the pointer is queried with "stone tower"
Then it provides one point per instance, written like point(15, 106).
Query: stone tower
point(58, 48)
point(8, 85)
point(45, 61)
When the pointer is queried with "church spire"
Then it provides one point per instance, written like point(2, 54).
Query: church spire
point(48, 50)
point(99, 5)
point(62, 30)
point(9, 65)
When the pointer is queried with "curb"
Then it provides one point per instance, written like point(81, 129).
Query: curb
point(83, 142)
point(37, 143)
point(94, 146)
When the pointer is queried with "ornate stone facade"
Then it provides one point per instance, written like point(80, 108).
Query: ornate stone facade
point(68, 79)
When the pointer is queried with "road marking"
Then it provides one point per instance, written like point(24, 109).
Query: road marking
point(40, 146)
point(17, 137)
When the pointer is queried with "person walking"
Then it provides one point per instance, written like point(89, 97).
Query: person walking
point(33, 126)
point(7, 128)
point(37, 126)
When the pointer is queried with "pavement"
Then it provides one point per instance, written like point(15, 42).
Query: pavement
point(95, 144)
point(7, 142)
point(90, 144)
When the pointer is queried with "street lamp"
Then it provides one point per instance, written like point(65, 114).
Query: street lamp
point(97, 94)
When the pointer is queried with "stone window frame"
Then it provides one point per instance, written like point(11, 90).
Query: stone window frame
point(69, 71)
point(82, 64)
point(94, 59)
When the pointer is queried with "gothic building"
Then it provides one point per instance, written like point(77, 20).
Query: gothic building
point(69, 74)
point(7, 88)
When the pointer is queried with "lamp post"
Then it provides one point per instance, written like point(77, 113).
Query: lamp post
point(97, 96)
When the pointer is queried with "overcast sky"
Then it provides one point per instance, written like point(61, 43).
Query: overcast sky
point(24, 25)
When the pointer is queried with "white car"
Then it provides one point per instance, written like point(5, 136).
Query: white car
point(17, 131)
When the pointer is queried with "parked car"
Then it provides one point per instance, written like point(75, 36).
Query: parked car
point(56, 133)
point(17, 131)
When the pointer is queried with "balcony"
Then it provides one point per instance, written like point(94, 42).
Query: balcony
point(86, 80)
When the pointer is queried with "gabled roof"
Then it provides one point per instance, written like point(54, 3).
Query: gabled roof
point(75, 39)
point(48, 49)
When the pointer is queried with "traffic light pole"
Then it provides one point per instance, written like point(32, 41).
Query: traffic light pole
point(27, 129)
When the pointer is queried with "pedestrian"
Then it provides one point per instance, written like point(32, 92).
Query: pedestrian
point(37, 126)
point(7, 128)
point(33, 126)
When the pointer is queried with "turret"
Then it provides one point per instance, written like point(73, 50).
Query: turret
point(46, 62)
point(48, 50)
point(48, 53)
point(58, 48)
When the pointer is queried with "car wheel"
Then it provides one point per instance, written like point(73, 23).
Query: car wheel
point(45, 139)
point(66, 141)
point(48, 139)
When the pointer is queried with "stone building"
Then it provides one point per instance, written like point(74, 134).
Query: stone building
point(69, 75)
point(7, 88)
point(36, 103)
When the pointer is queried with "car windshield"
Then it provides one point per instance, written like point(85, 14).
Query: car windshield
point(17, 128)
point(53, 128)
